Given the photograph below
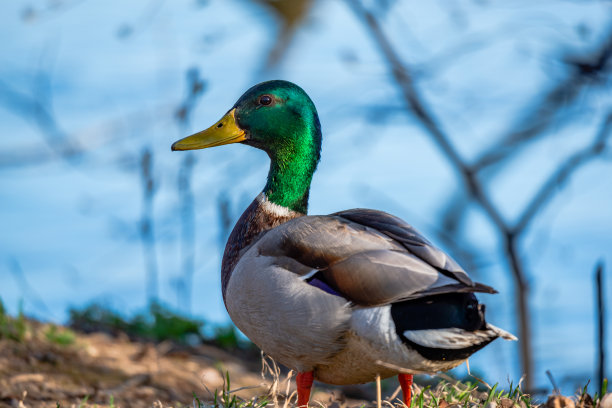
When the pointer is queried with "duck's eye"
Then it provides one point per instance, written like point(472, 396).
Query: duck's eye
point(265, 100)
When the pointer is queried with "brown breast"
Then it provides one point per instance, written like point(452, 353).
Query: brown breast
point(260, 216)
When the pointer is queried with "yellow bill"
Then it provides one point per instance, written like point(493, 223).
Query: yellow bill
point(223, 132)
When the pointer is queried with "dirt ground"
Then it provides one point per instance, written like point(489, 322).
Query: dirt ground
point(100, 369)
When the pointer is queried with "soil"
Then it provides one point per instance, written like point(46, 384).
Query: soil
point(97, 369)
point(100, 370)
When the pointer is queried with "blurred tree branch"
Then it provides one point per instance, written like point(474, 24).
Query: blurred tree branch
point(187, 213)
point(27, 291)
point(563, 172)
point(196, 86)
point(31, 14)
point(403, 79)
point(290, 15)
point(70, 147)
point(538, 119)
point(589, 69)
point(149, 188)
point(36, 108)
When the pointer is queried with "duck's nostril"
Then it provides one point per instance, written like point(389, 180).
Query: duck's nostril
point(220, 125)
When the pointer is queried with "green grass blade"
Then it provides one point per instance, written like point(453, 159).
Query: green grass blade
point(491, 395)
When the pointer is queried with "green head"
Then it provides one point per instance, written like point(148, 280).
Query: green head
point(279, 118)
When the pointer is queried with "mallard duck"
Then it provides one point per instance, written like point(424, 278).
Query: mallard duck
point(341, 298)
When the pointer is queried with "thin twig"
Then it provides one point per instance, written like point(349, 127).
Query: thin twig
point(403, 78)
point(588, 69)
point(556, 389)
point(37, 110)
point(560, 176)
point(146, 225)
point(195, 89)
point(27, 290)
point(601, 328)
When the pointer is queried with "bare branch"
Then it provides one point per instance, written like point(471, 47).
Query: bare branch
point(196, 86)
point(27, 290)
point(33, 108)
point(403, 78)
point(187, 212)
point(586, 70)
point(560, 176)
point(74, 144)
point(149, 188)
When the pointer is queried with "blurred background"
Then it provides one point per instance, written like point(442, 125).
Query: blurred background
point(484, 124)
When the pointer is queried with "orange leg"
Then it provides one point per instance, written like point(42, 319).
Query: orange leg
point(405, 381)
point(304, 384)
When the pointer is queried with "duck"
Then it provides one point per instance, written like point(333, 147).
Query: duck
point(345, 298)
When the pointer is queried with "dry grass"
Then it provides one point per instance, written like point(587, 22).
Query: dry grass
point(43, 365)
point(279, 392)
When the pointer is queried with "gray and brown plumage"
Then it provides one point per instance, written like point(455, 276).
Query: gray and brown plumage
point(352, 278)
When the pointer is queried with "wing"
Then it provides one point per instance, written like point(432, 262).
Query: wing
point(369, 257)
point(410, 239)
